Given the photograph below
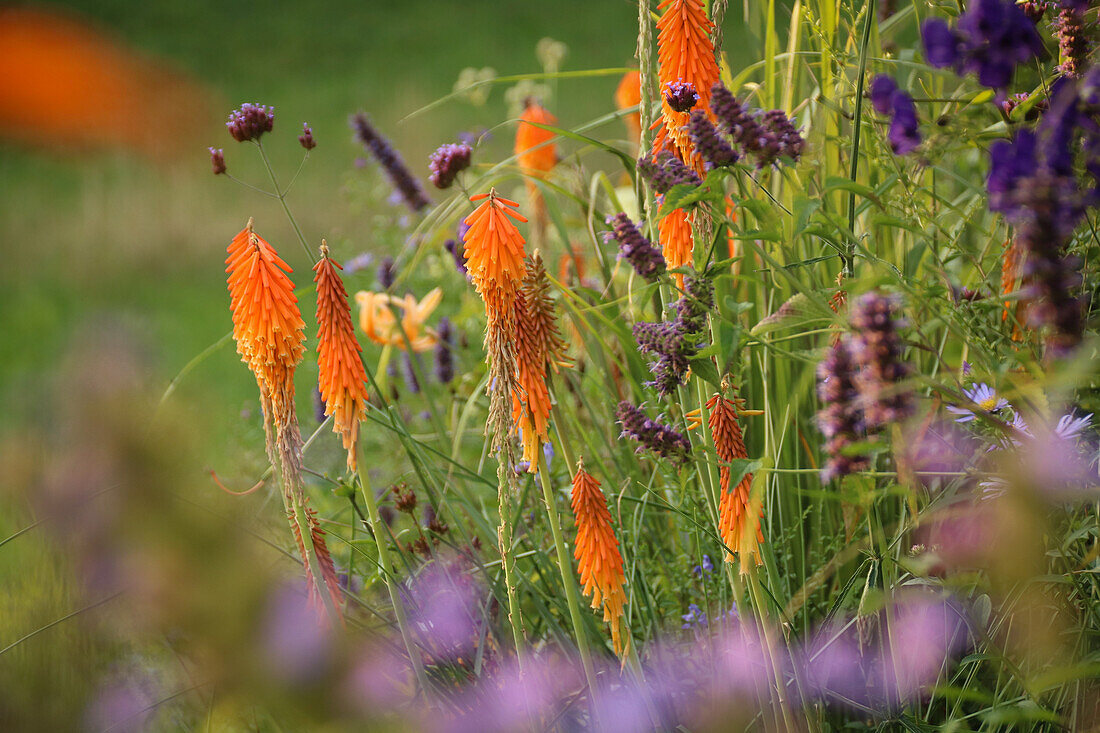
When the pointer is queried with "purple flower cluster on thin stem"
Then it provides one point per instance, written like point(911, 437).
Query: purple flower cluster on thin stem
point(250, 122)
point(877, 348)
point(887, 99)
point(402, 179)
point(646, 259)
point(306, 138)
point(447, 162)
point(680, 95)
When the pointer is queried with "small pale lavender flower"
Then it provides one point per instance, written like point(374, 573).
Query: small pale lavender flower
point(359, 262)
point(983, 397)
point(695, 617)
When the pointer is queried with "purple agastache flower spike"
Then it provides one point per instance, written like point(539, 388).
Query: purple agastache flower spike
point(877, 348)
point(666, 171)
point(676, 341)
point(1034, 10)
point(882, 93)
point(1073, 38)
point(386, 274)
point(306, 138)
point(840, 418)
point(680, 95)
point(250, 121)
point(447, 162)
point(455, 249)
point(709, 144)
point(766, 136)
point(782, 138)
point(646, 259)
point(402, 179)
point(653, 435)
point(408, 373)
point(444, 357)
point(217, 160)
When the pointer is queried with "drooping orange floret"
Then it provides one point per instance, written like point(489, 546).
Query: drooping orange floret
point(538, 345)
point(342, 380)
point(629, 94)
point(677, 243)
point(734, 506)
point(267, 324)
point(494, 252)
point(597, 552)
point(685, 53)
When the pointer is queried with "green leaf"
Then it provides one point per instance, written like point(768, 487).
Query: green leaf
point(703, 367)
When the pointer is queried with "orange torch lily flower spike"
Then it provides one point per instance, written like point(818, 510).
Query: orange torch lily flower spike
point(342, 380)
point(535, 152)
point(629, 94)
point(599, 561)
point(379, 323)
point(685, 53)
point(735, 511)
point(494, 251)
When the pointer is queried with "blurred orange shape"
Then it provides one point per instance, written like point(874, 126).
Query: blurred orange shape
point(65, 84)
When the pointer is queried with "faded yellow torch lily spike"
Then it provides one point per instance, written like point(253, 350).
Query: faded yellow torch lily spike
point(378, 319)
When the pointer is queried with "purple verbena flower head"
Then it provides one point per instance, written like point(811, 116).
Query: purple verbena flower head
point(306, 138)
point(646, 259)
point(447, 162)
point(217, 160)
point(404, 183)
point(250, 121)
point(653, 435)
point(666, 171)
point(680, 95)
point(882, 91)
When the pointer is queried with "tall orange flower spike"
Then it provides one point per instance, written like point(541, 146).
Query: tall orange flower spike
point(597, 552)
point(629, 94)
point(1011, 265)
point(342, 380)
point(677, 243)
point(685, 53)
point(734, 507)
point(535, 154)
point(494, 252)
point(538, 345)
point(267, 324)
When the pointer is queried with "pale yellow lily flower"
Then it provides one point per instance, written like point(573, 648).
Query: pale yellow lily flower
point(377, 319)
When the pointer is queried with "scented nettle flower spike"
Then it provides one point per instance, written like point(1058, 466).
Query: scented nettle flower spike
point(646, 259)
point(877, 347)
point(341, 376)
point(652, 434)
point(599, 562)
point(399, 174)
point(841, 417)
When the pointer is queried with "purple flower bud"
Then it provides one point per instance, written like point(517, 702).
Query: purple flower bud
point(402, 179)
point(447, 162)
point(646, 259)
point(250, 122)
point(882, 93)
point(306, 138)
point(408, 372)
point(680, 95)
point(217, 160)
point(456, 250)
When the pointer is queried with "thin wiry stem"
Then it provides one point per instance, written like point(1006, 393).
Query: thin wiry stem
point(281, 195)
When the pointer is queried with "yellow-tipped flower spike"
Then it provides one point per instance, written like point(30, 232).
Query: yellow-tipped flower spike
point(597, 552)
point(734, 508)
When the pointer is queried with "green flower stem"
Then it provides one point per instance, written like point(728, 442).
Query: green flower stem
point(508, 560)
point(388, 576)
point(281, 195)
point(567, 579)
